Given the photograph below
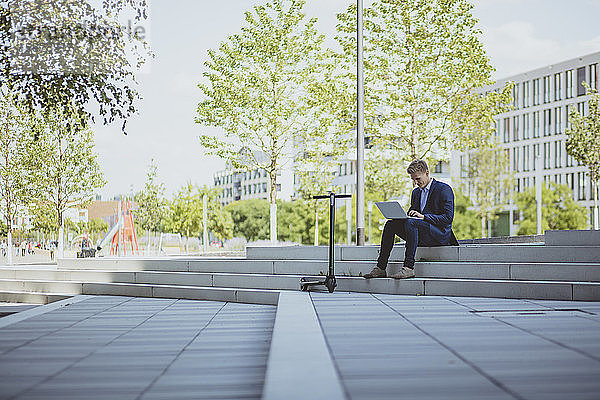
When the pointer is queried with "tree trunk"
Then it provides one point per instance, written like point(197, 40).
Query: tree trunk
point(316, 226)
point(595, 182)
point(273, 204)
point(483, 226)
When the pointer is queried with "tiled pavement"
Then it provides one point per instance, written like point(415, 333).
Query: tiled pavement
point(407, 347)
point(109, 347)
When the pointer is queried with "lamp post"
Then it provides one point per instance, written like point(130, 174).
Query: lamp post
point(538, 190)
point(360, 130)
point(370, 208)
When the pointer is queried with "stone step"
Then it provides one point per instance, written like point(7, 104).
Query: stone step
point(237, 295)
point(463, 253)
point(587, 272)
point(15, 296)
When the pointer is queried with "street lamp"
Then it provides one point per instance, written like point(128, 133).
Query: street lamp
point(370, 208)
point(360, 130)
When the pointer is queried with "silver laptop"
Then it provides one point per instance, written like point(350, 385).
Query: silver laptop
point(391, 210)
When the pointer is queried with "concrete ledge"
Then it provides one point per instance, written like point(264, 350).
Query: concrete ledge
point(10, 296)
point(23, 315)
point(573, 238)
point(300, 365)
point(500, 289)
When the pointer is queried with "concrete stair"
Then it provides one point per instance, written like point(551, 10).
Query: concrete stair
point(566, 269)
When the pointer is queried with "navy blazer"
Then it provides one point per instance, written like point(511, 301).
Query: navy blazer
point(438, 211)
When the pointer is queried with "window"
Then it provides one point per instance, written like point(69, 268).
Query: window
point(570, 160)
point(536, 155)
point(515, 93)
point(558, 121)
point(581, 185)
point(580, 80)
point(517, 187)
point(581, 108)
point(547, 155)
point(547, 122)
point(536, 124)
point(547, 89)
point(568, 109)
point(515, 159)
point(438, 168)
point(569, 83)
point(558, 154)
point(536, 92)
point(506, 130)
point(525, 127)
point(594, 76)
point(516, 128)
point(264, 186)
point(557, 87)
point(525, 157)
point(525, 94)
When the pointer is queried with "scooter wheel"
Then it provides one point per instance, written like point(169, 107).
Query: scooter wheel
point(330, 283)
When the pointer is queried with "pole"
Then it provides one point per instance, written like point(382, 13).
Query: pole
point(360, 131)
point(204, 223)
point(538, 192)
point(331, 231)
point(370, 208)
point(349, 221)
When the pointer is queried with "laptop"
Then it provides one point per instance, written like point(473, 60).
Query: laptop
point(392, 210)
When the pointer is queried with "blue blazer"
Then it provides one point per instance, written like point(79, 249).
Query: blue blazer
point(438, 211)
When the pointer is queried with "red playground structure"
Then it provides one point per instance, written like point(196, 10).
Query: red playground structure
point(122, 235)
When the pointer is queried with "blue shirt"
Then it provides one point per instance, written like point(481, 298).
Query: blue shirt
point(425, 195)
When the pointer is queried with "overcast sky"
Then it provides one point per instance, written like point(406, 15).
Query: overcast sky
point(519, 35)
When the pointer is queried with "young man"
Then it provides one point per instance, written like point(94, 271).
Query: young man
point(432, 209)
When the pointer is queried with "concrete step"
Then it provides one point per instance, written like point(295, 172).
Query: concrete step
point(463, 253)
point(238, 295)
point(15, 296)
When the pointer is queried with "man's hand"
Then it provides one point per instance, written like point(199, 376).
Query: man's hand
point(416, 214)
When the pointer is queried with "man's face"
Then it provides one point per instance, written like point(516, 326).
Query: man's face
point(421, 179)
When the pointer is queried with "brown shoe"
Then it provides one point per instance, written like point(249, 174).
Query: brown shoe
point(403, 273)
point(376, 273)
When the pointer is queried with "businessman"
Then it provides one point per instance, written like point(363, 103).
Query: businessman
point(432, 212)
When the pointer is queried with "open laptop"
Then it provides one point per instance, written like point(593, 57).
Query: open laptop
point(392, 210)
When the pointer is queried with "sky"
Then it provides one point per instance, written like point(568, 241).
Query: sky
point(518, 35)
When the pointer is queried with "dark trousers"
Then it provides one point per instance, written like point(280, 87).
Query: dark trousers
point(414, 231)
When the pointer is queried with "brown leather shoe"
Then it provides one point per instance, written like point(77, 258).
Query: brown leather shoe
point(403, 273)
point(376, 273)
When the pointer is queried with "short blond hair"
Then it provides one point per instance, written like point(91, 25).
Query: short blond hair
point(417, 166)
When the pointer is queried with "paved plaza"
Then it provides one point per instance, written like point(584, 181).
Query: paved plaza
point(381, 346)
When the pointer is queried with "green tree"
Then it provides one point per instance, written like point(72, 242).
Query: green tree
point(490, 182)
point(272, 90)
point(67, 52)
point(250, 219)
point(559, 210)
point(583, 141)
point(64, 168)
point(466, 223)
point(151, 209)
point(423, 63)
point(186, 213)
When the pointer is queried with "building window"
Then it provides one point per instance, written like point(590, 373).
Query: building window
point(581, 185)
point(515, 93)
point(594, 76)
point(525, 128)
point(558, 154)
point(569, 83)
point(516, 128)
point(525, 94)
point(536, 124)
point(536, 155)
point(264, 185)
point(515, 159)
point(568, 108)
point(557, 87)
point(547, 122)
point(580, 80)
point(438, 168)
point(506, 130)
point(536, 92)
point(547, 155)
point(558, 120)
point(547, 89)
point(581, 108)
point(525, 158)
point(517, 187)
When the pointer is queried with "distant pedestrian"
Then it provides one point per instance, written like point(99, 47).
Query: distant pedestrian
point(4, 247)
point(51, 248)
point(23, 247)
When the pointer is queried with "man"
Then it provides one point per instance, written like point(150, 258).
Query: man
point(432, 212)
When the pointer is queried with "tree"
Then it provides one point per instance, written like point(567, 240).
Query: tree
point(583, 141)
point(385, 175)
point(270, 87)
point(186, 213)
point(151, 208)
point(250, 218)
point(559, 210)
point(67, 52)
point(64, 169)
point(424, 62)
point(466, 223)
point(490, 182)
point(15, 121)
